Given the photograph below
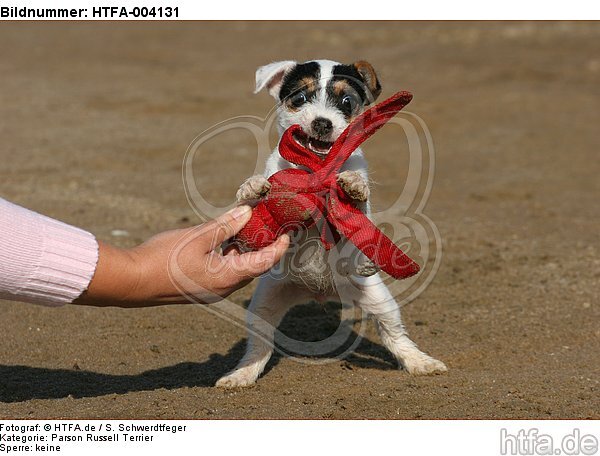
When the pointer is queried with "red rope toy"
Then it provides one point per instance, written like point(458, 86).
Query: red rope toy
point(299, 198)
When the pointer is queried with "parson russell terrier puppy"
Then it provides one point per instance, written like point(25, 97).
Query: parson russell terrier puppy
point(322, 97)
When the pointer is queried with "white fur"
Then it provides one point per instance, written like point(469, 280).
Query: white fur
point(274, 297)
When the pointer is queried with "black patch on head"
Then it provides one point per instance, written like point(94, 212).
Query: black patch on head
point(351, 75)
point(346, 90)
point(292, 80)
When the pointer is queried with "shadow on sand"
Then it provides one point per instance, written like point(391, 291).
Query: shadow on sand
point(309, 322)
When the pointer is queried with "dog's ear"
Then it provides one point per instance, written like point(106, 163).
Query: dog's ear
point(369, 77)
point(271, 76)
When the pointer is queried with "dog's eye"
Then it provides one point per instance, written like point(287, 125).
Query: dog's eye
point(299, 99)
point(349, 104)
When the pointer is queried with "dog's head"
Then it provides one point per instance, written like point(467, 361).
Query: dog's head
point(321, 96)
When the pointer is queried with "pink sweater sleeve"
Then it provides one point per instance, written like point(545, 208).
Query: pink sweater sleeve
point(42, 260)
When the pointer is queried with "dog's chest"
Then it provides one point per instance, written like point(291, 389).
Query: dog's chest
point(308, 263)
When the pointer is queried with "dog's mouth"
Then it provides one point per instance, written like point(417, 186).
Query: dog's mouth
point(313, 144)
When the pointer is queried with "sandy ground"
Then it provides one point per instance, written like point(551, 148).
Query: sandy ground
point(96, 119)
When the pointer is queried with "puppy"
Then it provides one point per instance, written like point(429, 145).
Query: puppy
point(322, 97)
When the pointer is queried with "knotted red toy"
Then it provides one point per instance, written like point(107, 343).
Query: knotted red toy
point(299, 198)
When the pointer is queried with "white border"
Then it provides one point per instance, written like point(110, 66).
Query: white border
point(349, 9)
point(302, 438)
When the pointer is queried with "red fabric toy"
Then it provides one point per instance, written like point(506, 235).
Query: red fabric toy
point(299, 198)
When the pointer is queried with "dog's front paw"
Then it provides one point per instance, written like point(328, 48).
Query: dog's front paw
point(354, 185)
point(423, 365)
point(253, 188)
point(237, 379)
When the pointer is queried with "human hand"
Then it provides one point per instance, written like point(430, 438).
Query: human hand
point(179, 266)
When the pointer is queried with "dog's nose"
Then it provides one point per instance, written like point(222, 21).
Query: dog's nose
point(322, 126)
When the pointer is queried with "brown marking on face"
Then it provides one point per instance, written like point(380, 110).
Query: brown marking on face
point(307, 84)
point(365, 69)
point(337, 90)
point(340, 87)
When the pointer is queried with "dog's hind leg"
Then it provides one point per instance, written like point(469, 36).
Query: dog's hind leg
point(270, 302)
point(371, 294)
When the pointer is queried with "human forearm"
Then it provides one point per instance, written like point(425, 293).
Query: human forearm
point(115, 280)
point(49, 262)
point(179, 267)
